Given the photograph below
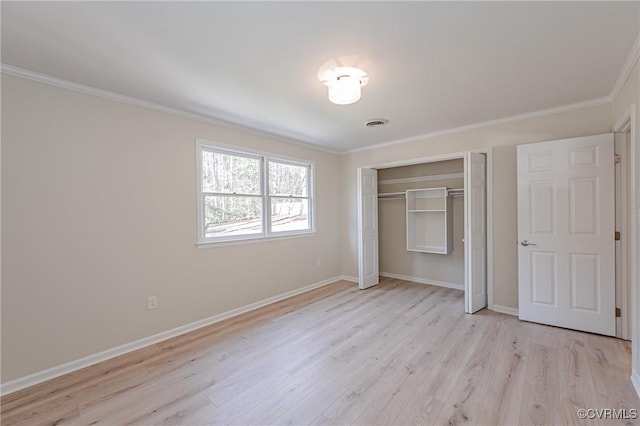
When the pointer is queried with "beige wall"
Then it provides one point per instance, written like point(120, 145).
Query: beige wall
point(99, 212)
point(503, 138)
point(630, 94)
point(392, 219)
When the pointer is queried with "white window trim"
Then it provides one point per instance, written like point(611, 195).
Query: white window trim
point(265, 157)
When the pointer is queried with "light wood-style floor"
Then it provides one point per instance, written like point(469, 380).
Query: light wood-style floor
point(398, 353)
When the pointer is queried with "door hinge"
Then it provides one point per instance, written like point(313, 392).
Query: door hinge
point(618, 315)
point(617, 159)
point(617, 235)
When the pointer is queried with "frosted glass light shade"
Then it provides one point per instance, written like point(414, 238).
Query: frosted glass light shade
point(344, 90)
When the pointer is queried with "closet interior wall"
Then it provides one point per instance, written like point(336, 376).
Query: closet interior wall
point(394, 258)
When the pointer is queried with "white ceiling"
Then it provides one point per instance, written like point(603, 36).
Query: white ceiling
point(432, 65)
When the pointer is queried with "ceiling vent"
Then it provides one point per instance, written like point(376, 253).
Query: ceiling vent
point(377, 122)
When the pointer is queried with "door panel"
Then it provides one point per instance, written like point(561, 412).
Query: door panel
point(475, 199)
point(543, 277)
point(583, 206)
point(566, 208)
point(367, 228)
point(585, 281)
point(542, 207)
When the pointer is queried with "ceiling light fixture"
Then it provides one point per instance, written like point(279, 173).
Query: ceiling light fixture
point(344, 84)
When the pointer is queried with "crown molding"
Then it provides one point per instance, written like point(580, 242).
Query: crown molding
point(475, 126)
point(632, 58)
point(107, 94)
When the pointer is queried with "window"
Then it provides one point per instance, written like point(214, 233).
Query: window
point(247, 195)
point(289, 196)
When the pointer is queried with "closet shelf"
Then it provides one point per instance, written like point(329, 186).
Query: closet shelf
point(429, 224)
point(429, 249)
point(428, 178)
point(402, 195)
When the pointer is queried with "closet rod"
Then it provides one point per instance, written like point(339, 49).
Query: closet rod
point(391, 195)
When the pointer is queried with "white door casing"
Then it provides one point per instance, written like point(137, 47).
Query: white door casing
point(622, 246)
point(367, 227)
point(475, 231)
point(566, 268)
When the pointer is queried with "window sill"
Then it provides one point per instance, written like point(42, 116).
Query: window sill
point(252, 240)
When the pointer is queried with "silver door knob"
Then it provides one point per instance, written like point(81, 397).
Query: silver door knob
point(527, 243)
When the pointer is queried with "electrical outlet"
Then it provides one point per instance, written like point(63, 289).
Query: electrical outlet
point(152, 302)
point(318, 262)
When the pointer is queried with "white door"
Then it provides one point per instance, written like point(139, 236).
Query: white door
point(566, 268)
point(475, 231)
point(367, 227)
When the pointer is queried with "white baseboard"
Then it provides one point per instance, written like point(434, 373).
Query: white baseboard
point(504, 310)
point(422, 280)
point(349, 278)
point(635, 379)
point(50, 373)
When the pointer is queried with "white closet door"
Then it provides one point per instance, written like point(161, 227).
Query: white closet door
point(367, 228)
point(566, 272)
point(475, 231)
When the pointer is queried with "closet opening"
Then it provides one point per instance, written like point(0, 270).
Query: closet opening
point(426, 221)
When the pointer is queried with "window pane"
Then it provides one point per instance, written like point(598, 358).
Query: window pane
point(289, 214)
point(287, 179)
point(230, 173)
point(226, 215)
